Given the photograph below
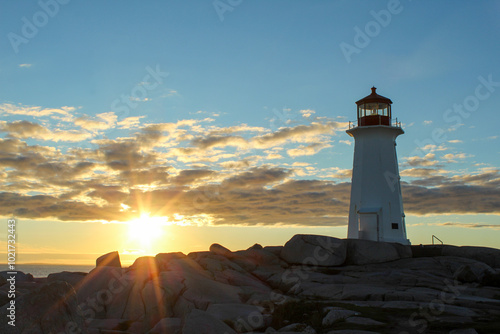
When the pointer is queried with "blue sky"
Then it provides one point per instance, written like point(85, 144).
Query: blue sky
point(257, 97)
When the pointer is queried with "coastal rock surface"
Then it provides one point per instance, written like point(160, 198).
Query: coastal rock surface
point(312, 284)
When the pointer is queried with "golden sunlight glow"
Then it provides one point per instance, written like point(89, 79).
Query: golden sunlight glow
point(145, 230)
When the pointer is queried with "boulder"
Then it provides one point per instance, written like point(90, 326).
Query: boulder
point(4, 297)
point(20, 276)
point(214, 262)
point(244, 317)
point(252, 258)
point(492, 278)
point(236, 278)
point(146, 267)
point(73, 278)
point(361, 252)
point(200, 322)
point(130, 300)
point(363, 321)
point(352, 331)
point(276, 250)
point(472, 273)
point(464, 331)
point(161, 295)
point(255, 246)
point(163, 260)
point(490, 256)
point(336, 315)
point(105, 323)
point(50, 309)
point(167, 325)
point(203, 291)
point(180, 263)
point(104, 292)
point(314, 250)
point(297, 328)
point(220, 250)
point(183, 307)
point(111, 259)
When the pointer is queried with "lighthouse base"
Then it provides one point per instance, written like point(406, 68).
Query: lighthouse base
point(369, 227)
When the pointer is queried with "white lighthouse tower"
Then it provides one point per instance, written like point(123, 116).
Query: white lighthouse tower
point(376, 210)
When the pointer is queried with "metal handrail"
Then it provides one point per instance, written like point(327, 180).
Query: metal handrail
point(353, 124)
point(434, 237)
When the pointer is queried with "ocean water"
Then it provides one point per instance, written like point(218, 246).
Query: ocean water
point(43, 270)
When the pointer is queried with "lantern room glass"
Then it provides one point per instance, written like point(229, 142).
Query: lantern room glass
point(373, 109)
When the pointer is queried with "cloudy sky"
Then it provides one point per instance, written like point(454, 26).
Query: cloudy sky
point(160, 126)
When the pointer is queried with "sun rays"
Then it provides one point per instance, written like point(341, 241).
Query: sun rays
point(146, 230)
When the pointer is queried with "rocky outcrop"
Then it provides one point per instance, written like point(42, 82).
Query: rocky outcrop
point(312, 284)
point(73, 278)
point(20, 277)
point(51, 308)
point(314, 250)
point(109, 260)
point(200, 322)
point(360, 252)
point(490, 256)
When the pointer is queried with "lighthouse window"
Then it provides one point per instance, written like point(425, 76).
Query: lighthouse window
point(395, 226)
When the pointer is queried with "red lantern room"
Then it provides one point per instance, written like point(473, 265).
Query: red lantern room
point(374, 110)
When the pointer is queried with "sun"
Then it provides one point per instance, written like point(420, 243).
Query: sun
point(145, 229)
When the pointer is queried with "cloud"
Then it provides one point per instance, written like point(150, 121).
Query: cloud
point(307, 113)
point(453, 157)
point(99, 122)
point(220, 141)
point(43, 206)
point(25, 65)
point(256, 177)
point(428, 160)
point(151, 176)
point(130, 122)
point(273, 156)
point(300, 133)
point(347, 142)
point(209, 174)
point(470, 225)
point(338, 173)
point(26, 129)
point(111, 196)
point(301, 164)
point(235, 164)
point(479, 193)
point(252, 196)
point(34, 111)
point(125, 155)
point(310, 149)
point(190, 176)
point(307, 203)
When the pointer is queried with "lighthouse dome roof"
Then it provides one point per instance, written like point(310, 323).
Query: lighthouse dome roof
point(374, 97)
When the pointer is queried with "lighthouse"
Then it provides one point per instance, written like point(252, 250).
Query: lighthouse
point(376, 208)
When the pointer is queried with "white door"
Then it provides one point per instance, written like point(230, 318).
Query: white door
point(368, 226)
